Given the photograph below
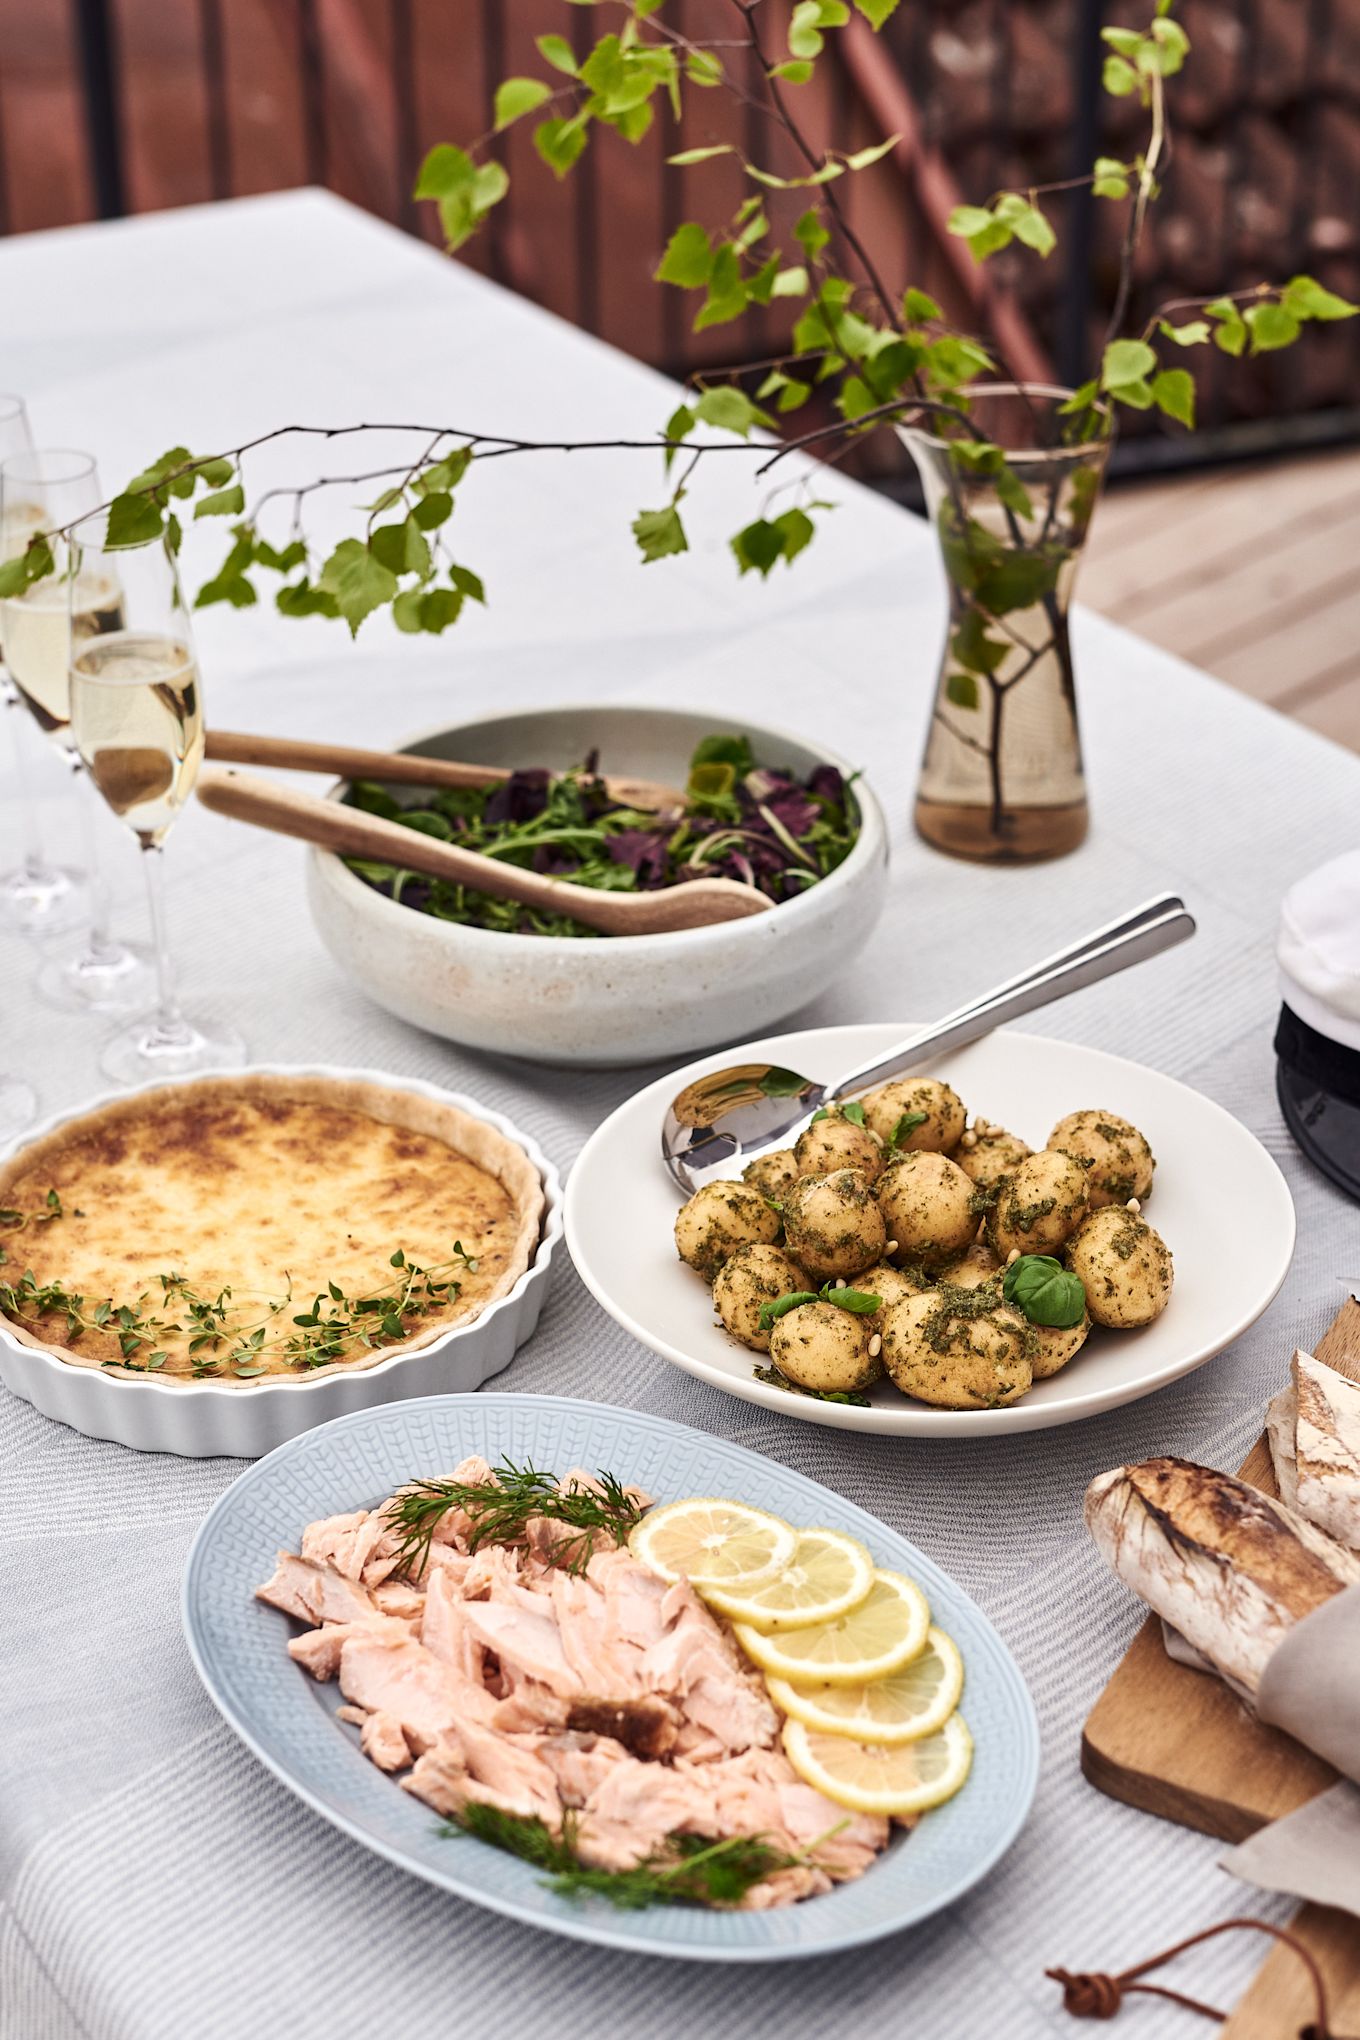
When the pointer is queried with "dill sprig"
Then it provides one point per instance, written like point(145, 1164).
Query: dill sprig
point(499, 1510)
point(690, 1870)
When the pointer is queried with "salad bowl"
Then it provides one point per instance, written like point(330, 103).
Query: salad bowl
point(605, 1001)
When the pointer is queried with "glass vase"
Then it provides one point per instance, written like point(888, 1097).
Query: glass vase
point(1010, 489)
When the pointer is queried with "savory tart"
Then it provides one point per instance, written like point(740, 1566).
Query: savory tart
point(262, 1224)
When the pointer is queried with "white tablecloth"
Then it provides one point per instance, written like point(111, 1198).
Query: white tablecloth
point(155, 1881)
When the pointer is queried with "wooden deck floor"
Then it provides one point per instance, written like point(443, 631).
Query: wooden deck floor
point(1251, 573)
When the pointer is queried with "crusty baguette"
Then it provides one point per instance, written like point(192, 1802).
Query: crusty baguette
point(1282, 1421)
point(1230, 1569)
point(1327, 1448)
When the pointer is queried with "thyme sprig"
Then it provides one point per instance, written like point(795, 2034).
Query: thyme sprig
point(499, 1511)
point(690, 1869)
point(223, 1337)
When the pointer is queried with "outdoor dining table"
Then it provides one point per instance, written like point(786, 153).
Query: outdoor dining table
point(156, 1881)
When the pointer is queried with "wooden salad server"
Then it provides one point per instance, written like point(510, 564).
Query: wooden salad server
point(697, 903)
point(408, 768)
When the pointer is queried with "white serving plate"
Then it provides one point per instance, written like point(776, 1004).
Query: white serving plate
point(1219, 1202)
point(205, 1419)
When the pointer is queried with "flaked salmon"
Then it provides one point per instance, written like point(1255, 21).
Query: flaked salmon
point(598, 1693)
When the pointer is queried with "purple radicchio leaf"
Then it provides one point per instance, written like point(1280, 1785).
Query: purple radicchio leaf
point(645, 851)
point(827, 783)
point(519, 798)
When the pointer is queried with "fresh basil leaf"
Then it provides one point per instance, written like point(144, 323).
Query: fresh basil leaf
point(780, 1306)
point(1044, 1291)
point(861, 1302)
point(905, 1127)
point(854, 1112)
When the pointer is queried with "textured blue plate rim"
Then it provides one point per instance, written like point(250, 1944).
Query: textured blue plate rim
point(604, 1932)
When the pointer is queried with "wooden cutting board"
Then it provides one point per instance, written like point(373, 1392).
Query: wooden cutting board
point(1178, 1743)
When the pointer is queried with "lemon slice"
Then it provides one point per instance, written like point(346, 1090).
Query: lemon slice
point(886, 1778)
point(899, 1708)
point(875, 1637)
point(828, 1574)
point(706, 1540)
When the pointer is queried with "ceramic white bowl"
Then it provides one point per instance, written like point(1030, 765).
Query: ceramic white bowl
point(612, 1000)
point(206, 1420)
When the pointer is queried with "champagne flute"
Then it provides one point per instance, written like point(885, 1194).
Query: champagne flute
point(36, 898)
point(36, 627)
point(137, 719)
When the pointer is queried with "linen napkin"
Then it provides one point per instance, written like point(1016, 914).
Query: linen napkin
point(1311, 1689)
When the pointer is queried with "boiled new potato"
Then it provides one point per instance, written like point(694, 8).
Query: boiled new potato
point(1124, 1265)
point(834, 1142)
point(1039, 1206)
point(959, 1350)
point(774, 1174)
point(941, 1109)
point(750, 1277)
point(890, 1285)
point(1120, 1160)
point(977, 1266)
point(1057, 1345)
point(718, 1219)
point(832, 1226)
point(927, 1206)
point(990, 1154)
point(820, 1347)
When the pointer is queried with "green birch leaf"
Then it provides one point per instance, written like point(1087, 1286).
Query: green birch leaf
point(876, 12)
point(659, 532)
point(679, 425)
point(731, 410)
point(811, 234)
point(1194, 333)
point(862, 158)
point(758, 547)
point(797, 530)
point(214, 474)
point(703, 68)
point(962, 690)
point(468, 584)
point(796, 71)
point(1270, 325)
point(1307, 299)
point(446, 172)
point(688, 260)
point(516, 97)
point(1137, 395)
point(1230, 334)
point(222, 503)
point(358, 581)
point(1110, 178)
point(561, 143)
point(918, 308)
point(702, 155)
point(133, 520)
point(973, 648)
point(1173, 391)
point(1119, 77)
point(557, 51)
point(1124, 362)
point(433, 510)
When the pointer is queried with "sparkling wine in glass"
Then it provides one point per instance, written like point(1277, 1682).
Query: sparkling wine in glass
point(136, 709)
point(37, 897)
point(36, 628)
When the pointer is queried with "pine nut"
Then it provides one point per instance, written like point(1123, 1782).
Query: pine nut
point(1133, 1205)
point(840, 1282)
point(968, 1140)
point(1014, 1255)
point(890, 1247)
point(875, 1345)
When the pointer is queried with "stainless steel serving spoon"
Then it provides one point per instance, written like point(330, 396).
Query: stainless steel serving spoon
point(732, 1115)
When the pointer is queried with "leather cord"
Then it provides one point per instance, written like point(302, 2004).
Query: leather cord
point(1094, 1995)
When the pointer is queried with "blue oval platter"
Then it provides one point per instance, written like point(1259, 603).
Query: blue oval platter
point(288, 1721)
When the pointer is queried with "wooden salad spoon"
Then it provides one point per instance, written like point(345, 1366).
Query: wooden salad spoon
point(697, 903)
point(408, 768)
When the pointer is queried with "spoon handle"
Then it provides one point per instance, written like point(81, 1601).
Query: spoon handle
point(352, 833)
point(1150, 929)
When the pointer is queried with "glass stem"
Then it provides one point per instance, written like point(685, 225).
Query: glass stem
point(169, 1019)
point(100, 948)
point(34, 866)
